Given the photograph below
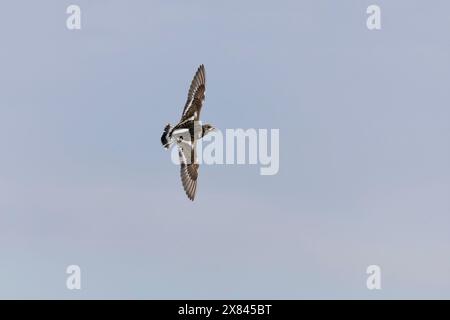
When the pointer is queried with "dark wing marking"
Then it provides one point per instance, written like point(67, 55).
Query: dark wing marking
point(196, 96)
point(188, 170)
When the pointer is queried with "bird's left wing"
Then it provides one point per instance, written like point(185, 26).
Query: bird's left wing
point(189, 168)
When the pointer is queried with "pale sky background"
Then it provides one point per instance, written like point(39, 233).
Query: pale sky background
point(364, 121)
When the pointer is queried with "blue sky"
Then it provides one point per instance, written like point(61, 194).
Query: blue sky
point(364, 155)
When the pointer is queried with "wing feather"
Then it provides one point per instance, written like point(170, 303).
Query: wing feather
point(196, 95)
point(188, 171)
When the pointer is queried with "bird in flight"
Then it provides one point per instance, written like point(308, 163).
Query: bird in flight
point(186, 133)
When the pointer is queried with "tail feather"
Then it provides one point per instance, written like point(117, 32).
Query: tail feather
point(166, 139)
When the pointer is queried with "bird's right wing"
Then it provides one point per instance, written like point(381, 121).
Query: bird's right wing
point(196, 96)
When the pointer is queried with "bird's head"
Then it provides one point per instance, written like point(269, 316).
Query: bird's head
point(207, 128)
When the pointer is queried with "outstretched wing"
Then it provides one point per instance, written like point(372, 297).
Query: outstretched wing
point(196, 96)
point(189, 168)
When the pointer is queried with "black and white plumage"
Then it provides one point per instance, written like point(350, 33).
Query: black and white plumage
point(186, 133)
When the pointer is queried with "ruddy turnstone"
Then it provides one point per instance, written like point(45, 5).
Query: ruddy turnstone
point(186, 133)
